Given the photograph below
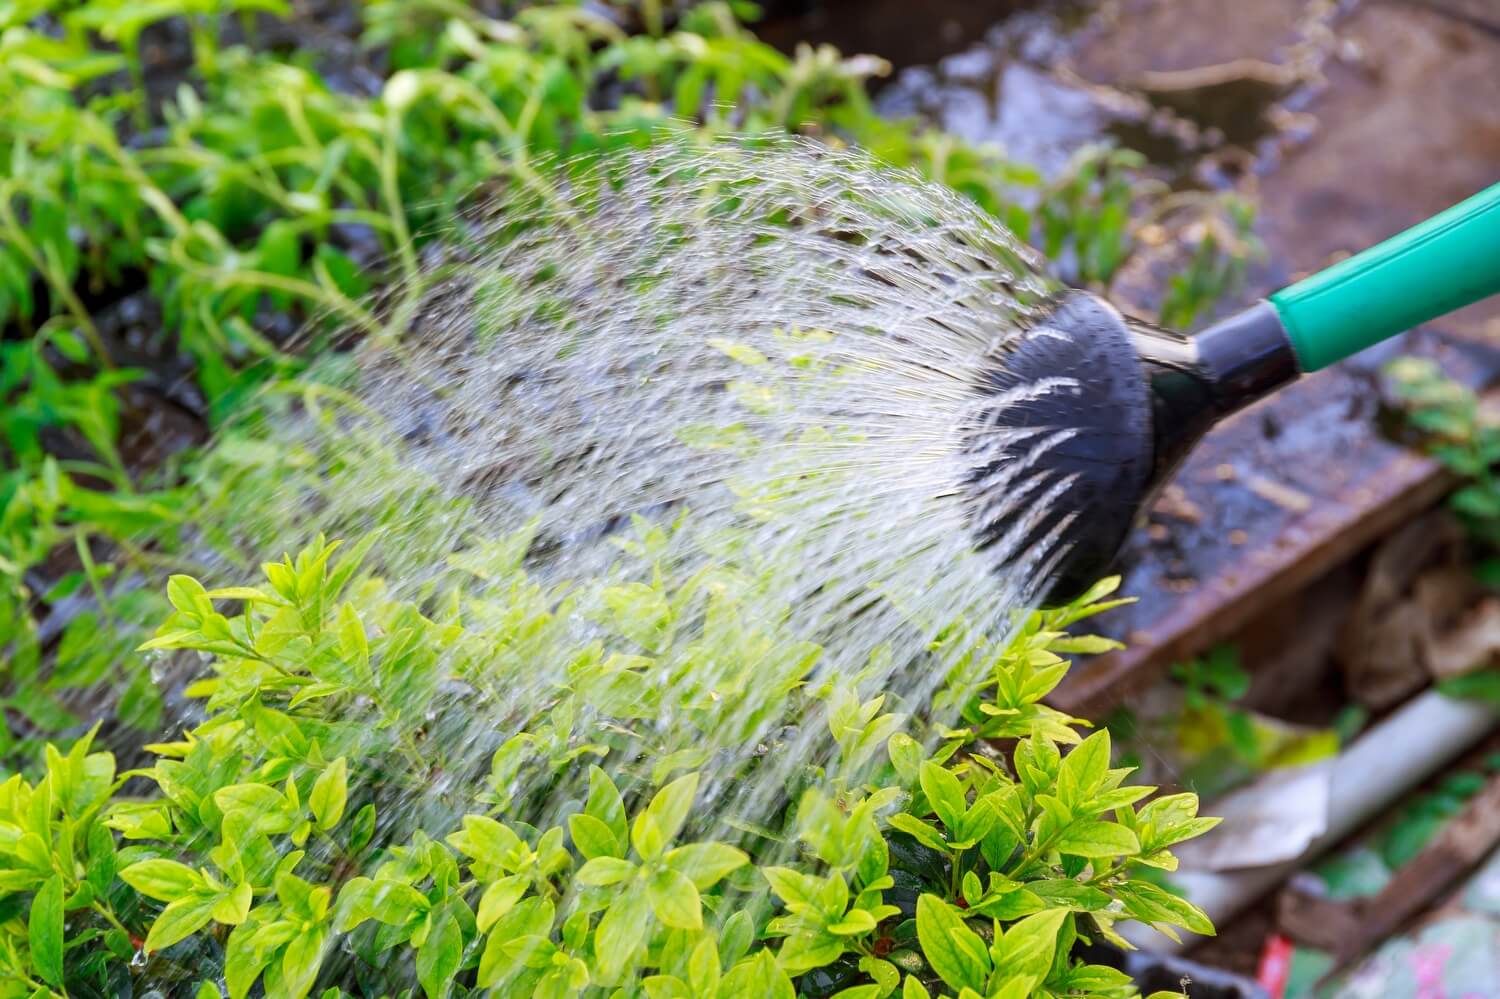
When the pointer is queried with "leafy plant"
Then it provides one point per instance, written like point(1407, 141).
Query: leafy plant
point(299, 837)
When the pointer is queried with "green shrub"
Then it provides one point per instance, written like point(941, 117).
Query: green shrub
point(322, 827)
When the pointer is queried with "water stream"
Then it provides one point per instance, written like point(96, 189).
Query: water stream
point(729, 403)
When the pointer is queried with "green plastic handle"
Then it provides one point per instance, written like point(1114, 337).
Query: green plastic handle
point(1445, 263)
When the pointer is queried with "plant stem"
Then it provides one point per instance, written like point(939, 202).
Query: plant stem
point(391, 192)
point(63, 288)
point(109, 917)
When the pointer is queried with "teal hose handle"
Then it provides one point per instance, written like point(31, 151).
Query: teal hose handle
point(1449, 261)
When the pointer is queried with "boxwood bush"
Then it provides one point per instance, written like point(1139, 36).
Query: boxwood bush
point(321, 829)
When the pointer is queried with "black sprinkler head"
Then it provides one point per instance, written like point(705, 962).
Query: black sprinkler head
point(1091, 412)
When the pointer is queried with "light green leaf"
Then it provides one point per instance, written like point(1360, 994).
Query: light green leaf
point(1083, 769)
point(1028, 947)
point(922, 832)
point(706, 864)
point(855, 922)
point(1098, 839)
point(675, 900)
point(802, 952)
point(906, 756)
point(757, 976)
point(666, 987)
point(388, 902)
point(258, 799)
point(489, 842)
point(945, 793)
point(180, 920)
point(603, 871)
point(703, 967)
point(662, 820)
point(792, 886)
point(234, 905)
point(161, 879)
point(329, 794)
point(1152, 904)
point(499, 898)
point(188, 595)
point(592, 837)
point(858, 992)
point(621, 931)
point(604, 804)
point(735, 937)
point(955, 952)
point(519, 936)
point(300, 963)
point(913, 989)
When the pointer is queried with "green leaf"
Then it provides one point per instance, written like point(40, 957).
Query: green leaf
point(439, 956)
point(804, 951)
point(521, 935)
point(792, 886)
point(706, 864)
point(161, 879)
point(1083, 769)
point(603, 871)
point(188, 595)
point(386, 901)
point(329, 795)
point(945, 793)
point(180, 920)
point(1071, 894)
point(489, 842)
point(1153, 904)
point(906, 756)
point(499, 898)
point(923, 833)
point(666, 987)
point(703, 967)
point(45, 931)
point(233, 906)
point(913, 989)
point(621, 931)
point(758, 976)
point(1098, 839)
point(1028, 947)
point(300, 963)
point(1083, 645)
point(735, 937)
point(955, 952)
point(592, 837)
point(675, 900)
point(662, 820)
point(259, 800)
point(605, 805)
point(102, 857)
point(856, 922)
